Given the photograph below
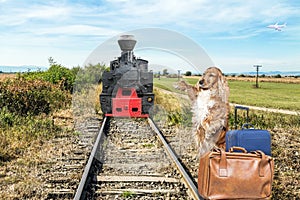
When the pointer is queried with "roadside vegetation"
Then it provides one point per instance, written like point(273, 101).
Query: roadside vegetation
point(35, 108)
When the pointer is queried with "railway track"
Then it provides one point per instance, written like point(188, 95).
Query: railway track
point(62, 178)
point(130, 160)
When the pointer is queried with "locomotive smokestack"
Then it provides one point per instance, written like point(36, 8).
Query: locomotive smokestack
point(127, 42)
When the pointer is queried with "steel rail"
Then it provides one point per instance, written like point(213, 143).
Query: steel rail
point(80, 192)
point(188, 181)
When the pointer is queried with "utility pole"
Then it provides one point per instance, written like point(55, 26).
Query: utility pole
point(257, 68)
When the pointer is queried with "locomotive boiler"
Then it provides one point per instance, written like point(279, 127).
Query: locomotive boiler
point(127, 89)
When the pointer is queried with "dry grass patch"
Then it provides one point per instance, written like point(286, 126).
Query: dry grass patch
point(266, 79)
point(4, 76)
point(29, 150)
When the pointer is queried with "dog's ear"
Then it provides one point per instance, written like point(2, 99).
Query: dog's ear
point(223, 87)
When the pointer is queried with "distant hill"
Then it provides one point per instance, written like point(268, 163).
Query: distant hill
point(270, 73)
point(23, 68)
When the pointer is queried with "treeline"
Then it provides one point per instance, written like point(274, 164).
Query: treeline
point(262, 76)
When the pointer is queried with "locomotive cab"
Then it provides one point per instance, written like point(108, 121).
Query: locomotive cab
point(127, 89)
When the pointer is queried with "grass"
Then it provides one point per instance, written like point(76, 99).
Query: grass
point(148, 145)
point(25, 134)
point(269, 94)
point(278, 95)
point(166, 83)
point(170, 109)
point(25, 147)
point(128, 194)
point(18, 133)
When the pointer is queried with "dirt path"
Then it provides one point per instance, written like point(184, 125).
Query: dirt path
point(289, 112)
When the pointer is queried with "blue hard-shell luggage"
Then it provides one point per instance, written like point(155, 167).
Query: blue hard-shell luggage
point(249, 138)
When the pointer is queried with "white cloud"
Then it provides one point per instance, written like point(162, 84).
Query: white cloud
point(204, 16)
point(78, 29)
point(20, 15)
point(45, 12)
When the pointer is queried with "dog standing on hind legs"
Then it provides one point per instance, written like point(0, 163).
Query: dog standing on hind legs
point(210, 109)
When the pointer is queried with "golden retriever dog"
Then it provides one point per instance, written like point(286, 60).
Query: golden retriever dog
point(210, 108)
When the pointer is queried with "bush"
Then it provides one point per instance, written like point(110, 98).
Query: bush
point(88, 77)
point(91, 74)
point(33, 97)
point(67, 78)
point(63, 76)
point(277, 76)
point(56, 74)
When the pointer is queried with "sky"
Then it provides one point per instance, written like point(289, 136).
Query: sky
point(233, 33)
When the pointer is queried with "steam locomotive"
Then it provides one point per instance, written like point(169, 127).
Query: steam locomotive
point(127, 89)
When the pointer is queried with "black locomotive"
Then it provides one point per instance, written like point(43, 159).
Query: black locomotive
point(127, 89)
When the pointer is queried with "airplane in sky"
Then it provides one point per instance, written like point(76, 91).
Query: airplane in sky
point(277, 27)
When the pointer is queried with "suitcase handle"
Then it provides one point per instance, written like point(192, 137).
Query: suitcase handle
point(238, 149)
point(247, 126)
point(235, 114)
point(223, 172)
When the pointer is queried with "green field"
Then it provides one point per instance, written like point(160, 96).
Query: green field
point(269, 94)
point(166, 83)
point(272, 95)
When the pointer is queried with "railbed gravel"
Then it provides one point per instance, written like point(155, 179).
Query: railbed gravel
point(132, 148)
point(64, 159)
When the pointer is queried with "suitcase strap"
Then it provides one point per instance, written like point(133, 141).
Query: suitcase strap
point(263, 161)
point(223, 160)
point(223, 165)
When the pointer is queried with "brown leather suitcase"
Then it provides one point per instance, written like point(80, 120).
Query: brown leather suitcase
point(235, 175)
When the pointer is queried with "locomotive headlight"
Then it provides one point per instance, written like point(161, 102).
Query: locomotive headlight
point(149, 99)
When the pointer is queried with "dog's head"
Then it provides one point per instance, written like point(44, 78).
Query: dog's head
point(213, 79)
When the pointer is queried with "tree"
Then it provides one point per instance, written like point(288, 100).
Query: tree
point(51, 61)
point(165, 72)
point(277, 76)
point(188, 73)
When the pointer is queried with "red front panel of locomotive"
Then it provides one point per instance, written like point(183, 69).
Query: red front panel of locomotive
point(127, 104)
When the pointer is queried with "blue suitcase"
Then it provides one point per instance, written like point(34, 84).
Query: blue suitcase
point(249, 138)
